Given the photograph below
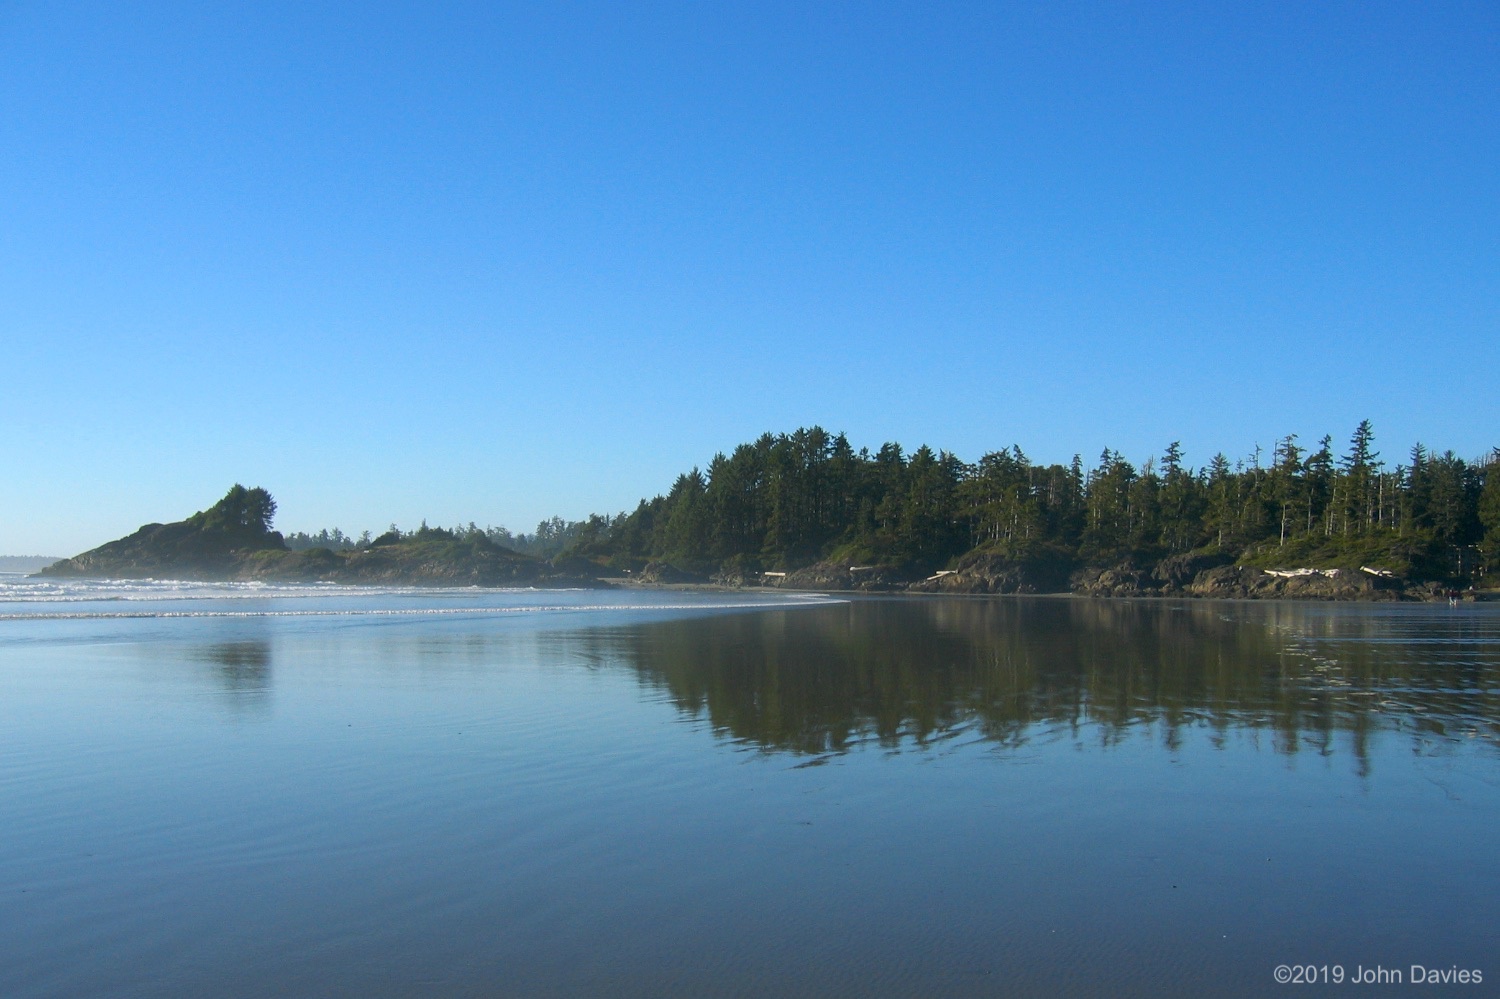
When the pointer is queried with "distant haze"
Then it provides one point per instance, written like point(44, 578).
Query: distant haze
point(25, 563)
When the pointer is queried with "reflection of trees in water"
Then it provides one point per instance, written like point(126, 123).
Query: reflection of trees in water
point(815, 681)
point(242, 669)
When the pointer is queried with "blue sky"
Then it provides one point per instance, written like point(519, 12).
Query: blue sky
point(487, 262)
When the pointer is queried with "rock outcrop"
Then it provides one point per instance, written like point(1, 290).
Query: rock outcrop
point(1199, 576)
point(992, 572)
point(1119, 581)
point(843, 576)
point(1177, 571)
point(664, 573)
point(1246, 583)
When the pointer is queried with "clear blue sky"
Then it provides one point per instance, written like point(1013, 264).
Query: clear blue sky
point(488, 262)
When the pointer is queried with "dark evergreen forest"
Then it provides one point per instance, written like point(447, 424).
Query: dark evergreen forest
point(790, 500)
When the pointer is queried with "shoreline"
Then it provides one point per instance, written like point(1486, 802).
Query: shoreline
point(1382, 596)
point(1419, 593)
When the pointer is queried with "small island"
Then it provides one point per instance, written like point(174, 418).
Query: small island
point(233, 540)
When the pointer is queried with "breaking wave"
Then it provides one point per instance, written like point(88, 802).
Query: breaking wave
point(62, 600)
point(52, 591)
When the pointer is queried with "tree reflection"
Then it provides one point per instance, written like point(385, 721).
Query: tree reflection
point(908, 672)
point(242, 670)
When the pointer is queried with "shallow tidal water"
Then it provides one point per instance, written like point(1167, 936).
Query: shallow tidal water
point(325, 791)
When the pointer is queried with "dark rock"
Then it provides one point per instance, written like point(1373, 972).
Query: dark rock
point(667, 573)
point(1118, 581)
point(1178, 571)
point(842, 576)
point(1248, 583)
point(992, 572)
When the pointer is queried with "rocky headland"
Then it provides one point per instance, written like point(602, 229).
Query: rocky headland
point(232, 540)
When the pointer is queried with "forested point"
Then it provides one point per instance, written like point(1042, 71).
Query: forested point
point(806, 510)
point(791, 501)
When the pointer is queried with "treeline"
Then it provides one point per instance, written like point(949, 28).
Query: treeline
point(790, 500)
point(549, 539)
point(334, 540)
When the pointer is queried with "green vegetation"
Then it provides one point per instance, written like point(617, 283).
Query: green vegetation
point(789, 501)
point(233, 540)
point(334, 540)
point(550, 538)
point(243, 512)
point(819, 514)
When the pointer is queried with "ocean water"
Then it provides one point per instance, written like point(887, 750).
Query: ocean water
point(249, 790)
